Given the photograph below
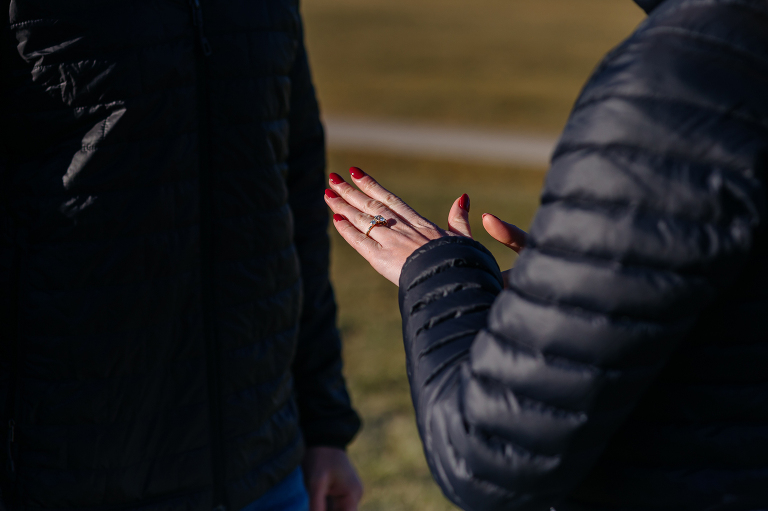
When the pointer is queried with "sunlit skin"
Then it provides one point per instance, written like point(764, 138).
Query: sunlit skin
point(388, 247)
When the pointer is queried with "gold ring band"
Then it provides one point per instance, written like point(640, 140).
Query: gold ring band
point(377, 220)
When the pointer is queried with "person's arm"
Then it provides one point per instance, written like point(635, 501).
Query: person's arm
point(327, 417)
point(652, 207)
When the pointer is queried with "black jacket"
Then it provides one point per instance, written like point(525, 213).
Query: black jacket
point(168, 325)
point(626, 368)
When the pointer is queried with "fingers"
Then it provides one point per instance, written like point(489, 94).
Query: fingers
point(364, 245)
point(458, 217)
point(344, 503)
point(373, 198)
point(361, 221)
point(506, 234)
point(358, 199)
point(318, 493)
point(352, 225)
point(331, 480)
point(346, 493)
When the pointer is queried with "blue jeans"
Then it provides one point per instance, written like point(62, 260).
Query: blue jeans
point(288, 495)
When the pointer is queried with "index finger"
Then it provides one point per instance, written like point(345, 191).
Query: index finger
point(373, 189)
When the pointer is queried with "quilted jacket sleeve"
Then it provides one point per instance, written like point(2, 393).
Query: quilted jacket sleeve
point(654, 202)
point(327, 417)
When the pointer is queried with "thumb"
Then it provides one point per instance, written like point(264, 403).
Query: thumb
point(506, 234)
point(458, 217)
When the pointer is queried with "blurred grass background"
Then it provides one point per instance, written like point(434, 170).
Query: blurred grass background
point(507, 64)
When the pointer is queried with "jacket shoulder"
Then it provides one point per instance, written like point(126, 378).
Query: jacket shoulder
point(689, 49)
point(688, 83)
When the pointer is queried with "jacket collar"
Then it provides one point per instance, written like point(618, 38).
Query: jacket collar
point(648, 5)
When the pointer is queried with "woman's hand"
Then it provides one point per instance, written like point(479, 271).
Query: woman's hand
point(506, 234)
point(387, 246)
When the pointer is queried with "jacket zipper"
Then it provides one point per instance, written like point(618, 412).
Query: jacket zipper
point(206, 268)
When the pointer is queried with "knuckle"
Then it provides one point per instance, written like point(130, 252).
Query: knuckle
point(391, 199)
point(368, 183)
point(374, 205)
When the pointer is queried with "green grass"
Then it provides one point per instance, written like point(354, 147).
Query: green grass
point(511, 64)
point(515, 64)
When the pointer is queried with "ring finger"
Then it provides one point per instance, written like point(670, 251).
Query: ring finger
point(361, 221)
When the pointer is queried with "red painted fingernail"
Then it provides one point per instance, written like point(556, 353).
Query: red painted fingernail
point(330, 194)
point(335, 178)
point(464, 202)
point(338, 218)
point(356, 172)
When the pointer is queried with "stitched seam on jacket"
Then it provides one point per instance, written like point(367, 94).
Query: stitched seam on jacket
point(454, 263)
point(453, 314)
point(633, 268)
point(89, 148)
point(451, 450)
point(583, 312)
point(444, 342)
point(703, 3)
point(122, 101)
point(488, 438)
point(104, 56)
point(606, 205)
point(633, 149)
point(527, 402)
point(463, 354)
point(563, 362)
point(692, 34)
point(109, 104)
point(602, 205)
point(475, 479)
point(702, 107)
point(449, 240)
point(41, 21)
point(568, 148)
point(100, 145)
point(444, 293)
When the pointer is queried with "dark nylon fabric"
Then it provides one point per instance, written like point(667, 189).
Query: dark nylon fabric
point(158, 321)
point(625, 368)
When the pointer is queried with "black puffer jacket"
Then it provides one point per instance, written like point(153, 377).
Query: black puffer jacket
point(163, 255)
point(626, 366)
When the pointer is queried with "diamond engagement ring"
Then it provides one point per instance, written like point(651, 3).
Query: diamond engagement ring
point(377, 220)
